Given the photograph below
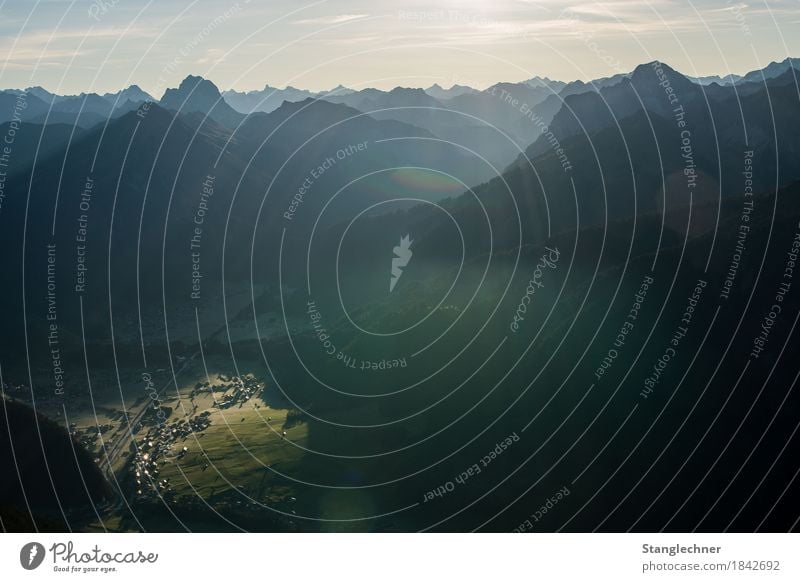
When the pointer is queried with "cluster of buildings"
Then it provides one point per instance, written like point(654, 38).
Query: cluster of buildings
point(236, 389)
point(158, 444)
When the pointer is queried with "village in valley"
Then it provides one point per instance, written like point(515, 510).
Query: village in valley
point(163, 441)
point(214, 445)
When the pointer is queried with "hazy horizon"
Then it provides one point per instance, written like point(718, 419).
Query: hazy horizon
point(75, 46)
point(387, 87)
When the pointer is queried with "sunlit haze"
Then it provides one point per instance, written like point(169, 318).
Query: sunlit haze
point(73, 46)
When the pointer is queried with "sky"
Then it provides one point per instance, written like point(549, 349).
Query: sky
point(73, 46)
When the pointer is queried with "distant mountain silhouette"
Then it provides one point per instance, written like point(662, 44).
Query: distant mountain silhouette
point(45, 95)
point(546, 82)
point(164, 159)
point(20, 104)
point(266, 100)
point(39, 106)
point(198, 95)
point(133, 94)
point(480, 122)
point(438, 92)
point(772, 70)
point(623, 151)
point(512, 107)
point(621, 141)
point(269, 98)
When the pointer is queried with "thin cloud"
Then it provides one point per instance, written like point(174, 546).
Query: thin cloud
point(335, 19)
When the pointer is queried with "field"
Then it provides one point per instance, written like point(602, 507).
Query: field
point(240, 450)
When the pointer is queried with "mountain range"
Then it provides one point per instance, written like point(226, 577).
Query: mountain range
point(525, 138)
point(214, 223)
point(772, 70)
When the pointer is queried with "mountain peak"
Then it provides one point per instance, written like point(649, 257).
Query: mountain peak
point(195, 82)
point(199, 95)
point(340, 89)
point(643, 74)
point(41, 93)
point(438, 92)
point(192, 88)
point(407, 91)
point(133, 93)
point(540, 81)
point(645, 68)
